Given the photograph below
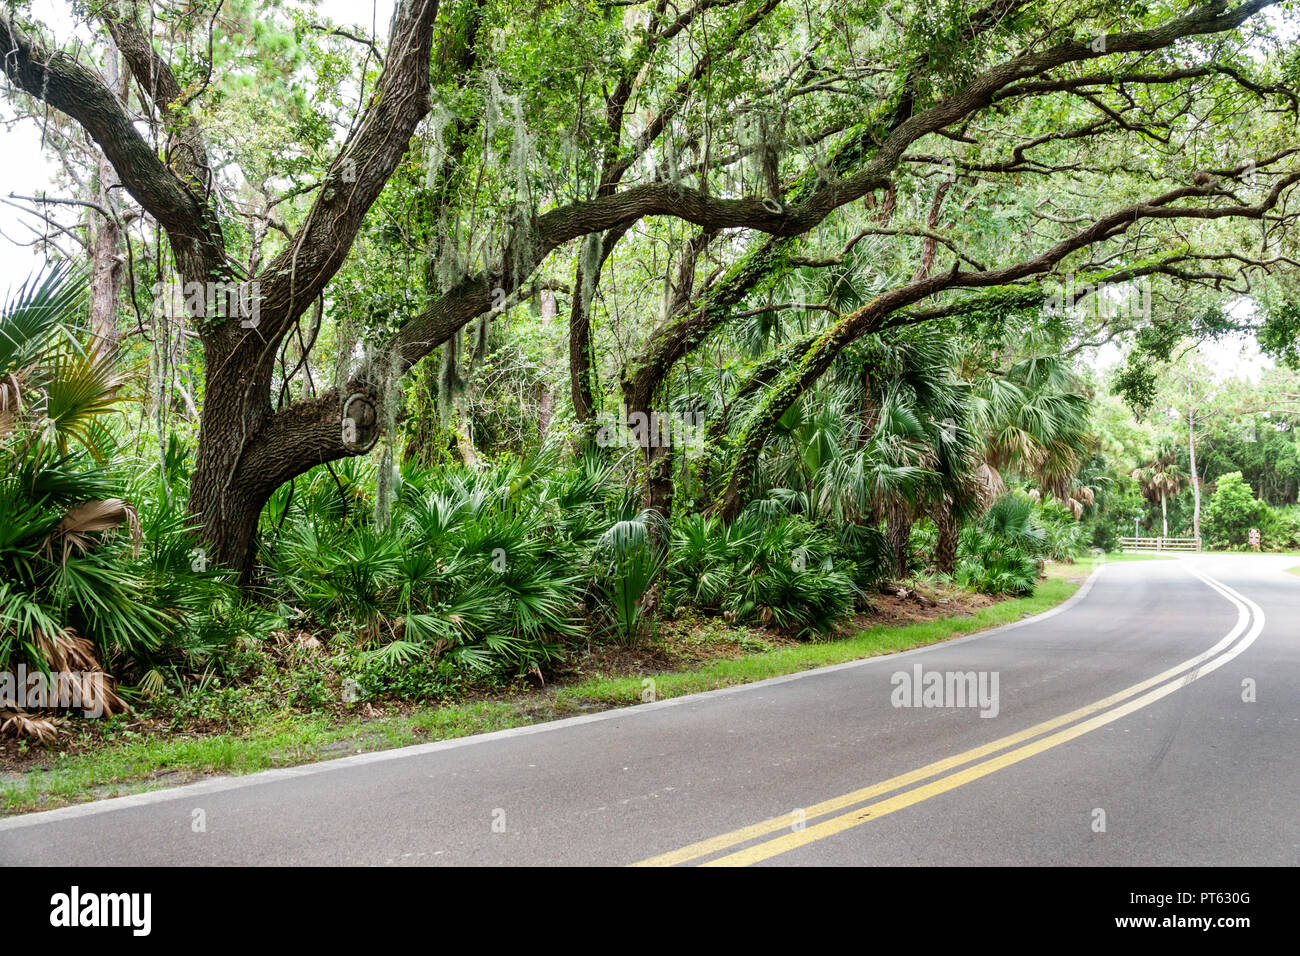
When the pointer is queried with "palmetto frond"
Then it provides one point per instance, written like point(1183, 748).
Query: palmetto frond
point(73, 533)
point(633, 559)
point(1035, 423)
point(81, 386)
point(47, 304)
point(53, 377)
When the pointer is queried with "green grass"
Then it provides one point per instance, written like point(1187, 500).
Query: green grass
point(151, 762)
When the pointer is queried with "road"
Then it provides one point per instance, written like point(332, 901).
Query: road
point(1152, 720)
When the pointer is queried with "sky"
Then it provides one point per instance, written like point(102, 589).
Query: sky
point(26, 171)
point(1235, 356)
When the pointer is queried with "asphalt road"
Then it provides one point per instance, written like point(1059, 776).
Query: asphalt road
point(1154, 719)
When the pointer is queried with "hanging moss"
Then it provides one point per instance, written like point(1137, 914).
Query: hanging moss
point(450, 384)
point(521, 151)
point(592, 250)
point(435, 152)
point(671, 161)
point(384, 370)
point(479, 352)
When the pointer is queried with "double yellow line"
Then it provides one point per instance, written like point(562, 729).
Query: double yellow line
point(1024, 744)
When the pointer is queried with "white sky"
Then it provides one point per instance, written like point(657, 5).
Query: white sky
point(1234, 356)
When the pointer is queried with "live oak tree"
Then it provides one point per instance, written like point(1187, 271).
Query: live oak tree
point(511, 132)
point(245, 449)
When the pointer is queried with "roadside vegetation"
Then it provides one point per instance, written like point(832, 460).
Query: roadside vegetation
point(444, 582)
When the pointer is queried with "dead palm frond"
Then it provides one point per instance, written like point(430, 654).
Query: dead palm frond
point(66, 650)
point(76, 681)
point(19, 723)
point(11, 402)
point(93, 517)
point(82, 683)
point(990, 484)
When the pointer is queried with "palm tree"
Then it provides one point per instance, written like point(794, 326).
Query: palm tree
point(1031, 419)
point(825, 464)
point(907, 431)
point(894, 438)
point(916, 371)
point(1035, 422)
point(1159, 479)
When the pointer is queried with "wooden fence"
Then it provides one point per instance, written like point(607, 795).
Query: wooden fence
point(1160, 544)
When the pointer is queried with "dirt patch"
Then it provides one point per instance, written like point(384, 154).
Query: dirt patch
point(909, 604)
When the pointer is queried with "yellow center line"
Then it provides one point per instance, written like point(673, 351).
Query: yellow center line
point(818, 831)
point(874, 811)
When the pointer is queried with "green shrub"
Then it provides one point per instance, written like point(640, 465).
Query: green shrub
point(1232, 511)
point(1283, 531)
point(629, 556)
point(778, 570)
point(472, 567)
point(1001, 554)
point(1065, 538)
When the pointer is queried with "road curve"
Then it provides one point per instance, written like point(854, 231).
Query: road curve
point(1153, 720)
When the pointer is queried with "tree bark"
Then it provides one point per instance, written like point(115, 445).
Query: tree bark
point(582, 365)
point(545, 412)
point(580, 361)
point(946, 548)
point(107, 269)
point(898, 532)
point(659, 480)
